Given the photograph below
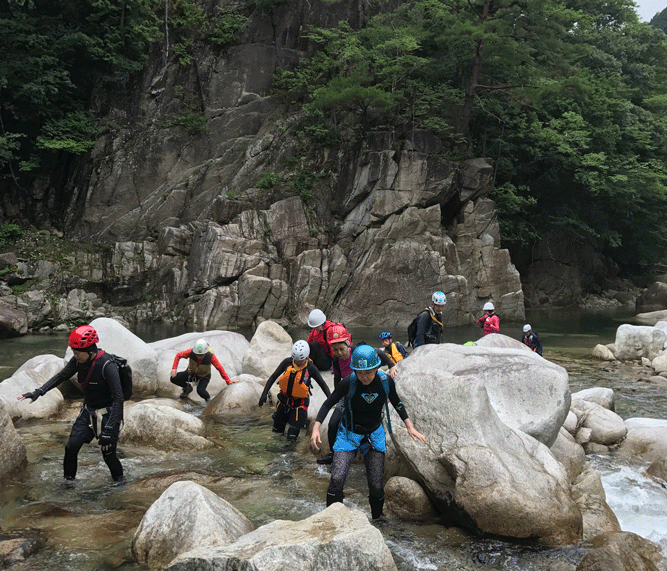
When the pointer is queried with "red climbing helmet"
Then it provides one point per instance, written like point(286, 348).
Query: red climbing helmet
point(338, 333)
point(83, 337)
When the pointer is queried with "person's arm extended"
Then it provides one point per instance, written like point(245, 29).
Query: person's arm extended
point(180, 355)
point(315, 374)
point(338, 393)
point(66, 373)
point(387, 362)
point(280, 369)
point(221, 370)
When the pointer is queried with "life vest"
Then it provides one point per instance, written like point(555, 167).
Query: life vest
point(394, 353)
point(294, 382)
point(200, 365)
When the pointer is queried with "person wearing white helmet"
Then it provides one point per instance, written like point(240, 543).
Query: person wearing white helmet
point(428, 325)
point(531, 339)
point(489, 322)
point(200, 360)
point(320, 351)
point(294, 376)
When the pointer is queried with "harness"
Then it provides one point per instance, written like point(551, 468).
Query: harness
point(200, 365)
point(384, 379)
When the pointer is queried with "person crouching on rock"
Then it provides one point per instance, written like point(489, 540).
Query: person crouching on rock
point(366, 391)
point(102, 410)
point(294, 376)
point(201, 358)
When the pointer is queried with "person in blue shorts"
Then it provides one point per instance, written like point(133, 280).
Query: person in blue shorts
point(366, 392)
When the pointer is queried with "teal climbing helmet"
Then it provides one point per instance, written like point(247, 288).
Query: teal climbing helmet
point(364, 358)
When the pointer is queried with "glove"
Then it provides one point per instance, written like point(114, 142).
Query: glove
point(262, 400)
point(33, 396)
point(105, 438)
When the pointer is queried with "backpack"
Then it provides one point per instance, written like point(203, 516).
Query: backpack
point(412, 329)
point(124, 373)
point(385, 386)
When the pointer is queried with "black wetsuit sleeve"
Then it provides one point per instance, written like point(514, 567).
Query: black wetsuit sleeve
point(422, 326)
point(315, 374)
point(280, 369)
point(69, 371)
point(402, 350)
point(338, 393)
point(395, 401)
point(335, 368)
point(385, 359)
point(111, 377)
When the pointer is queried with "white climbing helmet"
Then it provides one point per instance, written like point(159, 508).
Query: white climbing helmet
point(439, 298)
point(300, 350)
point(316, 318)
point(201, 347)
point(526, 328)
point(488, 306)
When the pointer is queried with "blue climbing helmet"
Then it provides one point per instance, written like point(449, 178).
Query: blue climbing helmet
point(364, 358)
point(385, 335)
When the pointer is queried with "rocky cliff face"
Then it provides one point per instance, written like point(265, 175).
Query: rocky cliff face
point(375, 228)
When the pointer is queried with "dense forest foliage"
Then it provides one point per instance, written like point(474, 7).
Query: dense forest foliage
point(568, 97)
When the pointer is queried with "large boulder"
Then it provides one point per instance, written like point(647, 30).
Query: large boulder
point(654, 297)
point(163, 427)
point(620, 551)
point(606, 427)
point(334, 539)
point(599, 395)
point(589, 494)
point(115, 338)
point(407, 499)
point(186, 516)
point(636, 341)
point(12, 451)
point(652, 317)
point(570, 454)
point(471, 404)
point(238, 399)
point(646, 438)
point(268, 347)
point(13, 322)
point(29, 376)
point(228, 346)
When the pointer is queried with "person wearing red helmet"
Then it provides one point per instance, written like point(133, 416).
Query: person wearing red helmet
point(102, 411)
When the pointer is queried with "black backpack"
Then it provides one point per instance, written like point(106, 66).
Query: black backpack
point(412, 329)
point(124, 373)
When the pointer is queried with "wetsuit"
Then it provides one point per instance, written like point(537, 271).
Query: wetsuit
point(292, 410)
point(341, 369)
point(533, 341)
point(102, 410)
point(361, 429)
point(429, 327)
point(199, 372)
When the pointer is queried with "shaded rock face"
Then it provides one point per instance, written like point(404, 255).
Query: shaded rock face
point(393, 222)
point(12, 452)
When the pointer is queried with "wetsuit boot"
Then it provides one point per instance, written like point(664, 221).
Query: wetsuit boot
point(376, 506)
point(333, 498)
point(187, 389)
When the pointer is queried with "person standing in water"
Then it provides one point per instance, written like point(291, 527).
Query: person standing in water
point(365, 392)
point(102, 411)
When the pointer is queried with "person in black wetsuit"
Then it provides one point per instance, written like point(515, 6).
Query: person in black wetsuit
point(340, 341)
point(429, 325)
point(366, 391)
point(102, 410)
point(295, 374)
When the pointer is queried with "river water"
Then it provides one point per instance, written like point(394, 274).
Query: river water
point(90, 526)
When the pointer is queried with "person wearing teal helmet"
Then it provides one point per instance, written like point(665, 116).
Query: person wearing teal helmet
point(365, 392)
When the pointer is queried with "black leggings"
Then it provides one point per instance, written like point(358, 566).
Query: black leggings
point(332, 430)
point(82, 434)
point(320, 358)
point(181, 379)
point(340, 467)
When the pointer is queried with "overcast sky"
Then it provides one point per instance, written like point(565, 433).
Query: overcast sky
point(649, 8)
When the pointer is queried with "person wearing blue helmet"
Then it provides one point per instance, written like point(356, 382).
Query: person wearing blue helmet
point(395, 351)
point(365, 392)
point(429, 322)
